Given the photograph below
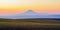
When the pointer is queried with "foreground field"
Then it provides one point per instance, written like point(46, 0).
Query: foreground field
point(30, 23)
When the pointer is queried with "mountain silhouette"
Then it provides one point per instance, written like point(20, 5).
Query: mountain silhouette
point(31, 14)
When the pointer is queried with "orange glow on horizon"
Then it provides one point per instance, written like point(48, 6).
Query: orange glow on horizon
point(12, 7)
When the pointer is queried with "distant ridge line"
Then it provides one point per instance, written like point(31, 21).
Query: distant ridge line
point(38, 18)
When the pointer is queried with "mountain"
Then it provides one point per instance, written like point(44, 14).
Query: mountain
point(31, 14)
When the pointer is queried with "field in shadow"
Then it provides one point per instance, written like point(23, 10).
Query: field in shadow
point(29, 24)
point(24, 28)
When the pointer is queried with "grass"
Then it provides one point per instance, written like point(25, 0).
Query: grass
point(29, 23)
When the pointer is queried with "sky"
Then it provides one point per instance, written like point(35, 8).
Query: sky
point(13, 7)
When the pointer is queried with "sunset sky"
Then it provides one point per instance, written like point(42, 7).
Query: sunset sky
point(12, 7)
